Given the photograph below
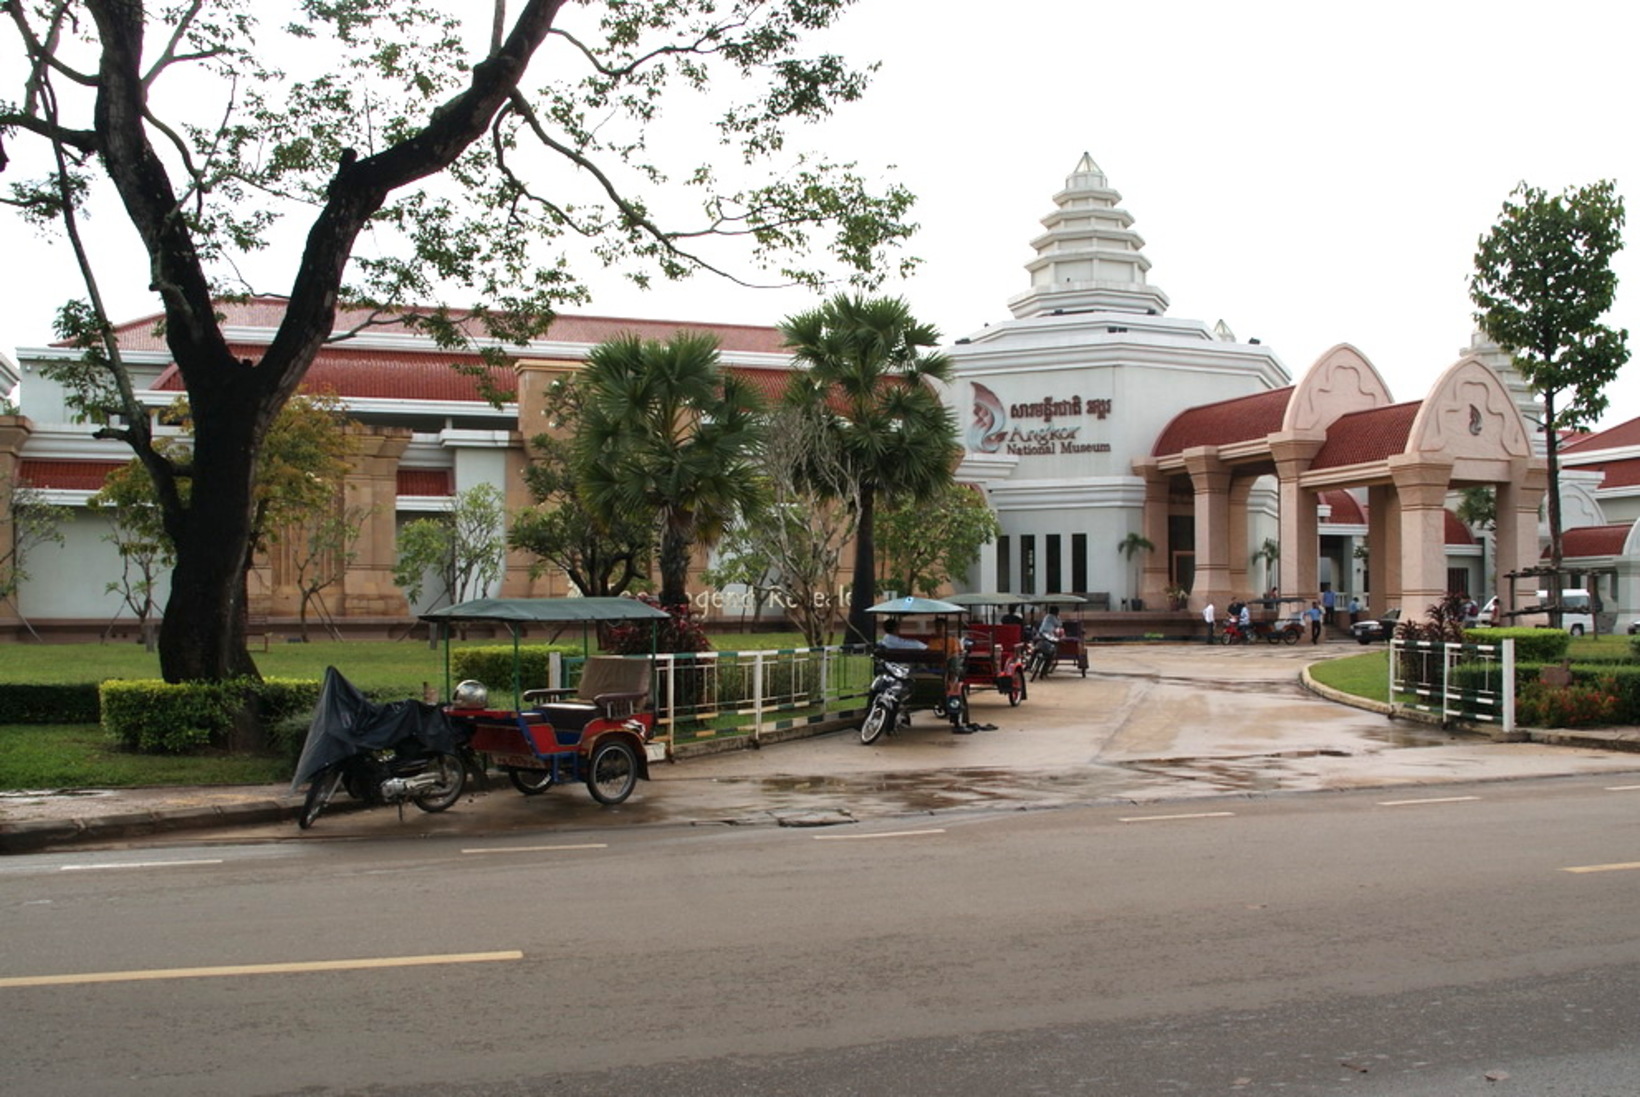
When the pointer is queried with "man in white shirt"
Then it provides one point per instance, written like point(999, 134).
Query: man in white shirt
point(1210, 614)
point(895, 642)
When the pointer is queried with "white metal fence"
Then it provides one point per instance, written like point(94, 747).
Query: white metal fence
point(717, 694)
point(1473, 683)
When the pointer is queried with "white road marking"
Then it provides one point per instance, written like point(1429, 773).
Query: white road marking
point(883, 834)
point(1623, 788)
point(1164, 818)
point(1621, 866)
point(256, 969)
point(537, 849)
point(1430, 800)
point(137, 864)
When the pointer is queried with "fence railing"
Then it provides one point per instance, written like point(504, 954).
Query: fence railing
point(718, 694)
point(1469, 682)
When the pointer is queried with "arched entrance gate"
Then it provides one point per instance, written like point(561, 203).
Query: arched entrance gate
point(1337, 429)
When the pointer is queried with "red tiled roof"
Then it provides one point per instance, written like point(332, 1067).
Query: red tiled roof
point(1346, 509)
point(1619, 474)
point(1456, 532)
point(267, 312)
point(1238, 420)
point(1623, 434)
point(1592, 541)
point(66, 475)
point(387, 375)
point(425, 482)
point(1370, 435)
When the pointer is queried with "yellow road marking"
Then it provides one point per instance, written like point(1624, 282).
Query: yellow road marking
point(1430, 800)
point(883, 834)
point(1162, 818)
point(301, 966)
point(1622, 866)
point(537, 849)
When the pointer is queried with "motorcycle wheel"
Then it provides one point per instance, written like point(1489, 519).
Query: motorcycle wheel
point(531, 782)
point(452, 776)
point(1016, 690)
point(613, 772)
point(319, 792)
point(875, 723)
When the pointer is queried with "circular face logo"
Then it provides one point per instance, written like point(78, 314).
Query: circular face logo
point(990, 425)
point(1474, 419)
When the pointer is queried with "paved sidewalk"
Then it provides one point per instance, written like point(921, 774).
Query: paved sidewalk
point(1148, 723)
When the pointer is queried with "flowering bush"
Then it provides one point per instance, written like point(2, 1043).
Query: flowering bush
point(1580, 704)
point(681, 631)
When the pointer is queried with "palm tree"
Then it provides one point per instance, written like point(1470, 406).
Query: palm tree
point(664, 431)
point(868, 363)
point(1130, 546)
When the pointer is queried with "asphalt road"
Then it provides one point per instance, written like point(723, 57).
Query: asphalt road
point(1467, 939)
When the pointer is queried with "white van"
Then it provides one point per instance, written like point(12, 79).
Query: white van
point(1576, 617)
point(1577, 610)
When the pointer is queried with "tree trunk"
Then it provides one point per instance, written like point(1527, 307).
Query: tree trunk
point(203, 633)
point(861, 630)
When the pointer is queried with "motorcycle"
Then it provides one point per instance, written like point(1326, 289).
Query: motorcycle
point(1044, 657)
point(894, 694)
point(379, 753)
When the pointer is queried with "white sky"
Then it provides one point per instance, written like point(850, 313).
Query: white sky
point(1309, 173)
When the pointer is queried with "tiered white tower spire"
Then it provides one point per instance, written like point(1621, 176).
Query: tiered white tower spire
point(1090, 259)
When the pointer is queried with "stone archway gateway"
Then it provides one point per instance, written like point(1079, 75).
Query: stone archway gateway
point(1337, 429)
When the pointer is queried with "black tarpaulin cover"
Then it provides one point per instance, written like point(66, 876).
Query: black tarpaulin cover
point(346, 722)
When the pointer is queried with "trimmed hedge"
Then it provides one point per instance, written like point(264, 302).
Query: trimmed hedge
point(74, 703)
point(492, 664)
point(1532, 645)
point(155, 717)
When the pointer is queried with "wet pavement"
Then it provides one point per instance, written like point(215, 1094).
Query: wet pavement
point(1149, 723)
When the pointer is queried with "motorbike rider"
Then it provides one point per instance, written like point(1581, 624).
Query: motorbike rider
point(1049, 628)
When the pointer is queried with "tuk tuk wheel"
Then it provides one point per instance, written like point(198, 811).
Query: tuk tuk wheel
point(1016, 688)
point(613, 771)
point(531, 782)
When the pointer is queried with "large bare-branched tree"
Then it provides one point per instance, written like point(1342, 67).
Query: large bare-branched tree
point(401, 154)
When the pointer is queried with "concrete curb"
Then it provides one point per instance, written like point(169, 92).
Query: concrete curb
point(31, 836)
point(1627, 739)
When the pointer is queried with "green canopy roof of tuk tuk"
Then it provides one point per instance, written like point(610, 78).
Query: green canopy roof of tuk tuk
point(527, 610)
point(909, 604)
point(988, 598)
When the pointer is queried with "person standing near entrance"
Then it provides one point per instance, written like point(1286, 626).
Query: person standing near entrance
point(1211, 615)
point(1313, 614)
point(1329, 602)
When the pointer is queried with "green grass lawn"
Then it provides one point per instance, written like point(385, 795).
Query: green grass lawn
point(33, 756)
point(1365, 675)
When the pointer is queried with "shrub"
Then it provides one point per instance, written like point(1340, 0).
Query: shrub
point(1578, 705)
point(53, 703)
point(154, 717)
point(492, 664)
point(1532, 645)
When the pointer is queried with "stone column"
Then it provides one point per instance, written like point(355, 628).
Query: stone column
point(1210, 482)
point(372, 491)
point(1421, 483)
point(1300, 524)
point(1153, 525)
point(1240, 559)
point(14, 432)
point(1516, 538)
point(1383, 539)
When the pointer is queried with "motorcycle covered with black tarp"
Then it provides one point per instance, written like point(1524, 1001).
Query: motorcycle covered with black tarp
point(381, 753)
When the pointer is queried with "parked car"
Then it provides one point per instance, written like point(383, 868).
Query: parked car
point(1376, 628)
